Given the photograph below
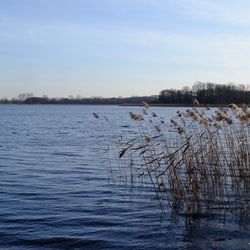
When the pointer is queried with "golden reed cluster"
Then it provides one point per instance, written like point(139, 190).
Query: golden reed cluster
point(197, 161)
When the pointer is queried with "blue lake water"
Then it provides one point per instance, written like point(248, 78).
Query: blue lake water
point(55, 192)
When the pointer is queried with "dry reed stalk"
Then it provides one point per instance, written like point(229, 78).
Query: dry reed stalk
point(200, 161)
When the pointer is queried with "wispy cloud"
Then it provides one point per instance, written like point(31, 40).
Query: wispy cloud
point(163, 41)
point(220, 51)
point(227, 11)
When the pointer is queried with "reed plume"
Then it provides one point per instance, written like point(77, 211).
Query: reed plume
point(198, 161)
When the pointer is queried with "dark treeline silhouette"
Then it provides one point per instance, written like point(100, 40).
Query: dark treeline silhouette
point(95, 100)
point(30, 99)
point(207, 93)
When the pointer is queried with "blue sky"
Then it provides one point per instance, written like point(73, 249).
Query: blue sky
point(121, 47)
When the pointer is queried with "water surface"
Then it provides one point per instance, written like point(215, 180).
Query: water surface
point(55, 192)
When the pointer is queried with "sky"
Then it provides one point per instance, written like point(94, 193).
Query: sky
point(121, 47)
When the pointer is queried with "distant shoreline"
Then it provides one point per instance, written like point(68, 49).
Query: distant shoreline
point(123, 104)
point(169, 105)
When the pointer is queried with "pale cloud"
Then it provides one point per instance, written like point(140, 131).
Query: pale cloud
point(226, 11)
point(225, 43)
point(220, 51)
point(107, 56)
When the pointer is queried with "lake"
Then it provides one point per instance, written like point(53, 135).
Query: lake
point(55, 192)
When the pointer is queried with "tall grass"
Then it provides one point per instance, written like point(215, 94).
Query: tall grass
point(197, 161)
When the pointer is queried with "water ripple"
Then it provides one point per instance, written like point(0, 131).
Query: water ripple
point(56, 194)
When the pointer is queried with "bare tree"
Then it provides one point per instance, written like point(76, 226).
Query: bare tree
point(24, 96)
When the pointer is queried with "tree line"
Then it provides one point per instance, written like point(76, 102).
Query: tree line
point(206, 93)
point(28, 98)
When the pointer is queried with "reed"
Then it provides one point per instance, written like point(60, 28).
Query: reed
point(197, 161)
